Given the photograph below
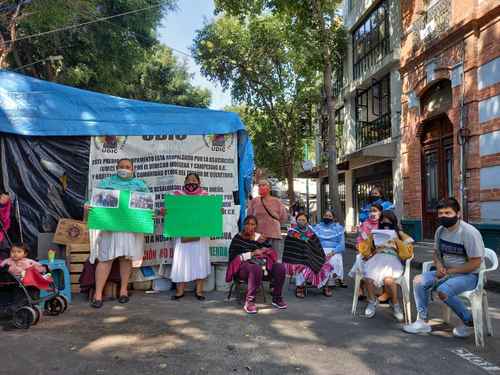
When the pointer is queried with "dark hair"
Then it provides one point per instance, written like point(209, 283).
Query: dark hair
point(248, 218)
point(127, 159)
point(302, 214)
point(379, 188)
point(391, 216)
point(377, 206)
point(331, 211)
point(21, 245)
point(193, 174)
point(448, 203)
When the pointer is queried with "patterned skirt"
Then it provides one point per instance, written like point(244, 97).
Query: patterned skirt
point(305, 274)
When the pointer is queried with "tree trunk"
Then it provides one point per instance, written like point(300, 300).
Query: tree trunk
point(333, 178)
point(289, 179)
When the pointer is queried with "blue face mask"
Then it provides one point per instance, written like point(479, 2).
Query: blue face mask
point(124, 173)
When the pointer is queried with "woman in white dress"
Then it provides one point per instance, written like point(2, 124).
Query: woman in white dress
point(191, 256)
point(107, 246)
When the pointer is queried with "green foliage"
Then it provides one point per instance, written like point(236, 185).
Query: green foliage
point(261, 61)
point(115, 56)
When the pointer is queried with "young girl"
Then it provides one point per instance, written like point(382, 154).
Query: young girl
point(19, 262)
point(383, 261)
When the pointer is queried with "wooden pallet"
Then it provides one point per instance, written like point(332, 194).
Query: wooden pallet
point(76, 256)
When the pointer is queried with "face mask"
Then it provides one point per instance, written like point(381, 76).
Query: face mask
point(389, 226)
point(263, 191)
point(191, 187)
point(327, 220)
point(448, 221)
point(374, 216)
point(124, 173)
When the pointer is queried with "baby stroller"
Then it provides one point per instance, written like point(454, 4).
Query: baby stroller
point(23, 303)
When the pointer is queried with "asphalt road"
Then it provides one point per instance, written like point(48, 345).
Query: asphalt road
point(153, 335)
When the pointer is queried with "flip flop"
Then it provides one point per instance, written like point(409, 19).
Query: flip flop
point(175, 298)
point(96, 304)
point(123, 299)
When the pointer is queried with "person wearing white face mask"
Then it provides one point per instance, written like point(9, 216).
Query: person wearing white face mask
point(108, 246)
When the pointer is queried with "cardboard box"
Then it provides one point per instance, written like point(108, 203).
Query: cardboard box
point(71, 232)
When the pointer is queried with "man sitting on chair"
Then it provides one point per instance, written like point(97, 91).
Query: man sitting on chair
point(458, 257)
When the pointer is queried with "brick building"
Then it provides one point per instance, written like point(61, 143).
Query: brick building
point(450, 112)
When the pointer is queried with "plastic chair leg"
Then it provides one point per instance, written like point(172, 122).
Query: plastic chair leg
point(489, 326)
point(446, 313)
point(477, 316)
point(357, 282)
point(406, 301)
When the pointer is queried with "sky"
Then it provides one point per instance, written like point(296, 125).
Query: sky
point(178, 30)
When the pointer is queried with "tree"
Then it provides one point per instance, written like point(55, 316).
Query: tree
point(118, 56)
point(318, 25)
point(258, 59)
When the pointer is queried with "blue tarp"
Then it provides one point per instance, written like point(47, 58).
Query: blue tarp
point(32, 107)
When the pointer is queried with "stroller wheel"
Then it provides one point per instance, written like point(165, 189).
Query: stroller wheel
point(38, 311)
point(24, 317)
point(64, 302)
point(54, 306)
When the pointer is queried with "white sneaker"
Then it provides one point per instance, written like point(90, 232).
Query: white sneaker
point(463, 331)
point(370, 309)
point(419, 326)
point(397, 313)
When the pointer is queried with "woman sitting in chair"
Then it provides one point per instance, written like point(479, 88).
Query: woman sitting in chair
point(305, 259)
point(383, 252)
point(251, 259)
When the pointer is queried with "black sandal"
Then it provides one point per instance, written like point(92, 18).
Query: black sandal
point(300, 292)
point(123, 299)
point(200, 297)
point(175, 297)
point(96, 303)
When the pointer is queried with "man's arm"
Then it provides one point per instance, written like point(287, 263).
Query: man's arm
point(472, 265)
point(440, 270)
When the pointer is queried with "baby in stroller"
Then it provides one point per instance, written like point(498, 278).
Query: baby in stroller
point(21, 280)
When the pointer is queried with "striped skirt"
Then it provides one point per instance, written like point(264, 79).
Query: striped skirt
point(305, 274)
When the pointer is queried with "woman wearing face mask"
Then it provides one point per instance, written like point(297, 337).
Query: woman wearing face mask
point(364, 231)
point(305, 259)
point(331, 235)
point(270, 213)
point(383, 261)
point(251, 259)
point(191, 256)
point(376, 197)
point(108, 246)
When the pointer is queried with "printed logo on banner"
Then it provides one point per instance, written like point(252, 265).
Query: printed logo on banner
point(110, 143)
point(219, 142)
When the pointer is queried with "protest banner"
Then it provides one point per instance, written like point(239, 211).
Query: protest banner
point(163, 162)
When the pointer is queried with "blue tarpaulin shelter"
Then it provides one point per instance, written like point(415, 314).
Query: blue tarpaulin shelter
point(31, 108)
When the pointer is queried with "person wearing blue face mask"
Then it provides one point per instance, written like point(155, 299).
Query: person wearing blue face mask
point(376, 197)
point(108, 246)
point(331, 234)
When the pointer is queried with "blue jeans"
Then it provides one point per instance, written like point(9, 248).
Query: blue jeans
point(422, 287)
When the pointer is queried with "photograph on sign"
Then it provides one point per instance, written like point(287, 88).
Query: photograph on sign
point(105, 198)
point(143, 201)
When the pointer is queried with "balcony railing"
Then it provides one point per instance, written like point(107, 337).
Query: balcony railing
point(375, 131)
point(428, 27)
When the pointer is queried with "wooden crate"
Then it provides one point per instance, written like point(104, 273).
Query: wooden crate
point(76, 256)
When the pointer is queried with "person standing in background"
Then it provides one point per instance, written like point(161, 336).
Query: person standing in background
point(270, 213)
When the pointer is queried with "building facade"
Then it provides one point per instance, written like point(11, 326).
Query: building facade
point(450, 112)
point(367, 93)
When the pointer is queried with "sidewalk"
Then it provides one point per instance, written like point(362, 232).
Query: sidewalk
point(423, 253)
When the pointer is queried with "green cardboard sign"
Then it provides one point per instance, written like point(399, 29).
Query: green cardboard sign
point(193, 216)
point(122, 211)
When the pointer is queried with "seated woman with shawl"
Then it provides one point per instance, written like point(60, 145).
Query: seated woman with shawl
point(250, 259)
point(305, 259)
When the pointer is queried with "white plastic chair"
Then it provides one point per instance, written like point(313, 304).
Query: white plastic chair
point(477, 299)
point(403, 282)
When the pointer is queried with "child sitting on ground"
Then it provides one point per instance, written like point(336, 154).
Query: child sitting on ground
point(19, 262)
